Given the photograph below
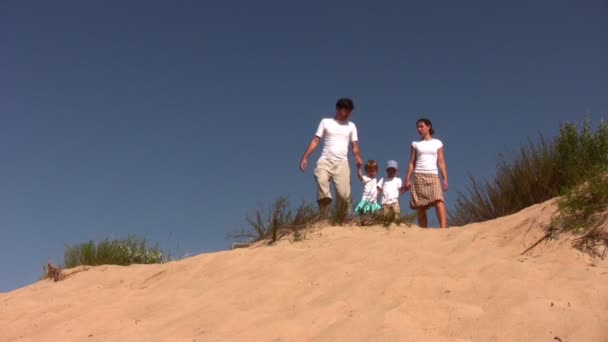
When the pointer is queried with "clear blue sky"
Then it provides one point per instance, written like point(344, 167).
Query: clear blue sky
point(171, 119)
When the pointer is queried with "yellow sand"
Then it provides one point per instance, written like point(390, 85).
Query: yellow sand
point(340, 284)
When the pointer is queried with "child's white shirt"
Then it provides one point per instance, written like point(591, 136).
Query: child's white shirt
point(370, 189)
point(390, 189)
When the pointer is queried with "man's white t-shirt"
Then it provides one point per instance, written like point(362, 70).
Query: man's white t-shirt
point(390, 189)
point(370, 189)
point(426, 155)
point(336, 136)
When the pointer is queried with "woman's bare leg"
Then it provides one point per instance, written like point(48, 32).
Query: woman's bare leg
point(442, 214)
point(422, 219)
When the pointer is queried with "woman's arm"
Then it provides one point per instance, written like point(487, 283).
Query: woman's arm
point(410, 168)
point(443, 168)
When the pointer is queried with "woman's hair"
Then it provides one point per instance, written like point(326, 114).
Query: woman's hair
point(428, 123)
point(371, 165)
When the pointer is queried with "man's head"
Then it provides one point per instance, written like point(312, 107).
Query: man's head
point(344, 107)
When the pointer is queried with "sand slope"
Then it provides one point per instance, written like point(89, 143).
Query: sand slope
point(340, 284)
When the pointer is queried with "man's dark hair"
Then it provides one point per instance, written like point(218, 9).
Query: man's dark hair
point(345, 103)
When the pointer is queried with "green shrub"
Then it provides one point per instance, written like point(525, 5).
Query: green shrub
point(385, 220)
point(113, 252)
point(341, 212)
point(583, 210)
point(539, 171)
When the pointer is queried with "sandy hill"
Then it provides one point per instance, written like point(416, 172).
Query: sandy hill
point(340, 284)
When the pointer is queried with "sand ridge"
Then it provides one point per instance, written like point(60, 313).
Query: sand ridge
point(340, 284)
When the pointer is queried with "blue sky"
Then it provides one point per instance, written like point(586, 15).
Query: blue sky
point(171, 119)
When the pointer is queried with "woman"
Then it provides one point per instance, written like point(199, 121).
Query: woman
point(426, 160)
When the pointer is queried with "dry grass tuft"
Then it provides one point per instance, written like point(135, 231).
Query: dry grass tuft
point(53, 272)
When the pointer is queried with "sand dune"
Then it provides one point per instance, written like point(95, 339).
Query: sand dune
point(340, 284)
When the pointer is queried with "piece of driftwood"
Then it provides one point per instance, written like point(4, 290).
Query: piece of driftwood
point(54, 272)
point(240, 245)
point(548, 235)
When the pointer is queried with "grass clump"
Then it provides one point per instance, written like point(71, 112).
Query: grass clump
point(50, 271)
point(583, 211)
point(113, 252)
point(340, 213)
point(573, 165)
point(537, 172)
point(280, 219)
point(277, 220)
point(380, 218)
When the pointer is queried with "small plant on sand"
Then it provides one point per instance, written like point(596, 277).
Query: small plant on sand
point(276, 221)
point(583, 211)
point(386, 220)
point(305, 215)
point(113, 252)
point(340, 213)
point(50, 271)
point(407, 219)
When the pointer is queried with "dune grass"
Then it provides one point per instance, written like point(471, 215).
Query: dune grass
point(276, 221)
point(131, 250)
point(340, 213)
point(386, 220)
point(540, 170)
point(573, 165)
point(583, 211)
point(279, 219)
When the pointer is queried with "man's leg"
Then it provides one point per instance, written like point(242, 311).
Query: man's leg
point(341, 177)
point(324, 204)
point(322, 177)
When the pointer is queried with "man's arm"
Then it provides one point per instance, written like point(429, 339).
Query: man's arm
point(360, 174)
point(311, 148)
point(357, 153)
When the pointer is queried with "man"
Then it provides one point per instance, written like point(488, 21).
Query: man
point(337, 133)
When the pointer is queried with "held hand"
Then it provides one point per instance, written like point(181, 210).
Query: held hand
point(408, 185)
point(359, 161)
point(445, 185)
point(303, 164)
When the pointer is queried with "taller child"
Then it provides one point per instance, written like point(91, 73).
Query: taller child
point(337, 133)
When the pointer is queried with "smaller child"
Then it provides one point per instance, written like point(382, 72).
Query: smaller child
point(369, 200)
point(391, 188)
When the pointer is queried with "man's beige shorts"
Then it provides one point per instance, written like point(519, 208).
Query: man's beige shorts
point(337, 171)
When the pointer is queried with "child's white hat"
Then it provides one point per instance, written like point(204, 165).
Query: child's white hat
point(393, 164)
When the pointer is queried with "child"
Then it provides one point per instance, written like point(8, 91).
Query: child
point(369, 200)
point(391, 188)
